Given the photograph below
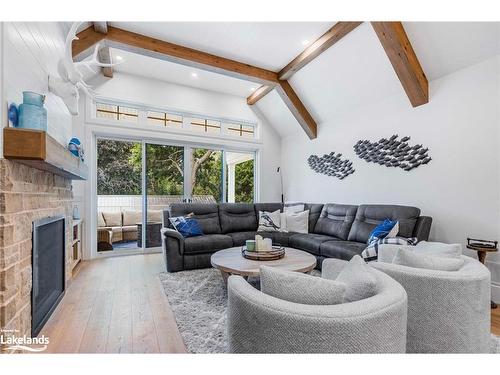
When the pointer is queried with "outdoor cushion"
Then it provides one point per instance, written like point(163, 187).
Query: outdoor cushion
point(207, 244)
point(369, 216)
point(132, 217)
point(112, 219)
point(239, 238)
point(297, 287)
point(309, 242)
point(237, 217)
point(129, 228)
point(155, 215)
point(206, 214)
point(341, 249)
point(100, 220)
point(335, 220)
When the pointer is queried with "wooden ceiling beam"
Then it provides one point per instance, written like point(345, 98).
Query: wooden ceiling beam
point(299, 111)
point(400, 52)
point(86, 39)
point(320, 45)
point(104, 53)
point(259, 94)
point(145, 45)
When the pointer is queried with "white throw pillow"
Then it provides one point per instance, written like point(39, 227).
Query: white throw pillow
point(294, 207)
point(394, 231)
point(295, 222)
point(411, 259)
point(269, 221)
point(439, 249)
point(360, 281)
point(300, 288)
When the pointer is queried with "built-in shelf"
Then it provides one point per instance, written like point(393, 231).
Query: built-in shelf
point(39, 150)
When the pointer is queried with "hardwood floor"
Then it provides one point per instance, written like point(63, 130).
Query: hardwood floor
point(495, 321)
point(117, 305)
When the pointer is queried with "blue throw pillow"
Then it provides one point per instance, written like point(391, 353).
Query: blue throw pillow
point(186, 226)
point(382, 230)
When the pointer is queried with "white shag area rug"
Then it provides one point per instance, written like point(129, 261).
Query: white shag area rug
point(199, 301)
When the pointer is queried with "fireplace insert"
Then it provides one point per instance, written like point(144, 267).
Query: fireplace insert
point(48, 269)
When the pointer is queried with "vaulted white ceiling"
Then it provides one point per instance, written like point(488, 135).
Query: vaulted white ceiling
point(352, 73)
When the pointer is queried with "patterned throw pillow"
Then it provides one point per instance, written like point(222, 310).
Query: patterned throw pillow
point(269, 221)
point(186, 226)
point(371, 252)
point(387, 228)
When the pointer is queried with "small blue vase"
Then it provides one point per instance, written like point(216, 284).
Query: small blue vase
point(32, 114)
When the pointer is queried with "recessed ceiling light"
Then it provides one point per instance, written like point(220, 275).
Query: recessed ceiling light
point(194, 75)
point(118, 58)
point(305, 42)
point(252, 88)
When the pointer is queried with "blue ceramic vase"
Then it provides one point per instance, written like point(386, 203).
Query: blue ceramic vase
point(32, 114)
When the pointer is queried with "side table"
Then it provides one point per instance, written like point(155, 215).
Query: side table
point(482, 248)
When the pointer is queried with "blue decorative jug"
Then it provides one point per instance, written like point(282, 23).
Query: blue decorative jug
point(32, 114)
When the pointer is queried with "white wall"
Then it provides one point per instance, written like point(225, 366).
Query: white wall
point(32, 51)
point(459, 188)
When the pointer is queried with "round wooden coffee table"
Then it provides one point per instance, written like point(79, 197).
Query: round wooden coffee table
point(231, 262)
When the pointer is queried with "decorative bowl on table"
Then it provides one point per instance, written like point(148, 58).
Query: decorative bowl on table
point(277, 252)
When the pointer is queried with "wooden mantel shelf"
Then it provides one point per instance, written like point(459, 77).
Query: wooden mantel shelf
point(39, 150)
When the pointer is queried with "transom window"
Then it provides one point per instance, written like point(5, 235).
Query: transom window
point(165, 119)
point(184, 122)
point(240, 130)
point(206, 126)
point(116, 112)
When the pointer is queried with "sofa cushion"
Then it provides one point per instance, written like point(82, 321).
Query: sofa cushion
point(100, 220)
point(132, 217)
point(278, 238)
point(314, 213)
point(297, 287)
point(369, 216)
point(237, 217)
point(239, 238)
point(451, 250)
point(309, 242)
point(206, 214)
point(335, 220)
point(207, 244)
point(360, 281)
point(341, 249)
point(408, 258)
point(112, 219)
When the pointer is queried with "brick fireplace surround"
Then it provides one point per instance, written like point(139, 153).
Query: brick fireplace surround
point(26, 194)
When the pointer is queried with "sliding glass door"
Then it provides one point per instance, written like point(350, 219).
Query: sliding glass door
point(137, 180)
point(119, 194)
point(164, 186)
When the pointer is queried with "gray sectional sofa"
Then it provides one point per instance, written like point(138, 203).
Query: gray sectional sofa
point(335, 230)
